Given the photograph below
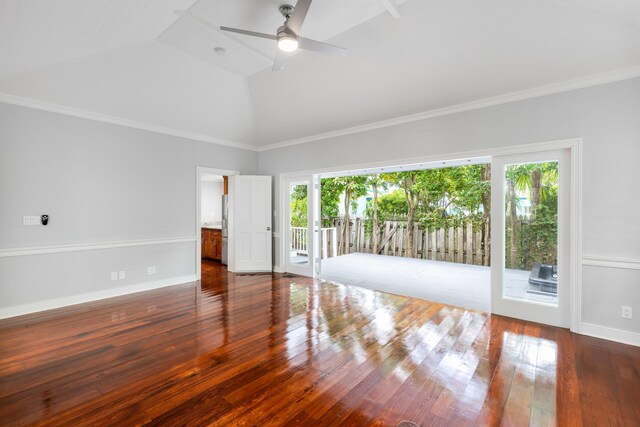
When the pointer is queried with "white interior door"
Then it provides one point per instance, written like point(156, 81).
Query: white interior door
point(530, 236)
point(252, 223)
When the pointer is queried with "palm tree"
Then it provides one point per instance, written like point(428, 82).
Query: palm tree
point(537, 179)
point(512, 202)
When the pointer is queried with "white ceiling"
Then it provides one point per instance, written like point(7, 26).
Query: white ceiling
point(141, 61)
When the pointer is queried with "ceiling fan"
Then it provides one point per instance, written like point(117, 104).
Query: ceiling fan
point(288, 35)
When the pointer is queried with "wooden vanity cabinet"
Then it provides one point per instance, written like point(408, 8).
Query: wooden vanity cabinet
point(212, 244)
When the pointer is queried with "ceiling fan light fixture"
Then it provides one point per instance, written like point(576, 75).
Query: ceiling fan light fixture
point(287, 43)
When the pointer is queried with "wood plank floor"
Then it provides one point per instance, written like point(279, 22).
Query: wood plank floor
point(287, 350)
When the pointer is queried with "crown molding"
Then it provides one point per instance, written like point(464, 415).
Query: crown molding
point(580, 83)
point(120, 121)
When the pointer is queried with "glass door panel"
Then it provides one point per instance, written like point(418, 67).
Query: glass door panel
point(530, 235)
point(531, 232)
point(298, 224)
point(298, 233)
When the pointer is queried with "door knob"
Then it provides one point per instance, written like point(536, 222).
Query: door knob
point(268, 228)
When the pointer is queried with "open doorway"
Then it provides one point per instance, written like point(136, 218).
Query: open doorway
point(499, 233)
point(420, 230)
point(426, 230)
point(214, 193)
point(213, 220)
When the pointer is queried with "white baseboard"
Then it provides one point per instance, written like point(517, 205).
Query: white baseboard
point(611, 334)
point(278, 269)
point(20, 310)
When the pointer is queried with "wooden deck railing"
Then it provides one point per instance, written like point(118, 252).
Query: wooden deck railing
point(328, 241)
point(299, 240)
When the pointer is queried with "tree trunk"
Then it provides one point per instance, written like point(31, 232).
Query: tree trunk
point(410, 220)
point(376, 226)
point(486, 216)
point(536, 183)
point(412, 204)
point(346, 229)
point(513, 217)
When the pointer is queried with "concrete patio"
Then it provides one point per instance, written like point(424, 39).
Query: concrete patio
point(457, 284)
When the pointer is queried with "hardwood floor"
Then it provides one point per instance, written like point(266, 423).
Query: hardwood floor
point(285, 350)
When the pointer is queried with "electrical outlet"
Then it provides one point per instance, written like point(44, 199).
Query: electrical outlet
point(121, 275)
point(627, 312)
point(151, 270)
point(31, 220)
point(114, 275)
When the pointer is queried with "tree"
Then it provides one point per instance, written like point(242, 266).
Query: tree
point(537, 179)
point(299, 206)
point(512, 201)
point(330, 192)
point(352, 187)
point(411, 185)
point(375, 182)
point(392, 206)
point(486, 210)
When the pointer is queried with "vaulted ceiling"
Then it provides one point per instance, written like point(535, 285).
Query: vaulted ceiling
point(154, 61)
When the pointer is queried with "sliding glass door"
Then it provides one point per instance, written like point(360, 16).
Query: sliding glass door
point(530, 236)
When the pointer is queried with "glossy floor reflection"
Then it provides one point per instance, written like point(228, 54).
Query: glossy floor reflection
point(287, 350)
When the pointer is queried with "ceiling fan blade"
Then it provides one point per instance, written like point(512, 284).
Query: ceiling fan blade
point(249, 33)
point(281, 56)
point(317, 46)
point(299, 14)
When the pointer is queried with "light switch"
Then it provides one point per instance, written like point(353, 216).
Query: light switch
point(31, 220)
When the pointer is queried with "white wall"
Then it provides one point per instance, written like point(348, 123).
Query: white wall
point(99, 183)
point(211, 196)
point(607, 117)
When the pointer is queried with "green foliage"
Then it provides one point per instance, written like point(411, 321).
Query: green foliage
point(536, 237)
point(446, 197)
point(540, 237)
point(450, 197)
point(298, 205)
point(331, 189)
point(390, 206)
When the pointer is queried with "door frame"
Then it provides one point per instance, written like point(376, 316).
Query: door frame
point(202, 170)
point(557, 314)
point(575, 241)
point(285, 184)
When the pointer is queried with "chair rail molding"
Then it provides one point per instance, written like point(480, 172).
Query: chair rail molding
point(39, 250)
point(611, 262)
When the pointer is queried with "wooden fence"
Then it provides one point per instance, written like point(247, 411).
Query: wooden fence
point(460, 245)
